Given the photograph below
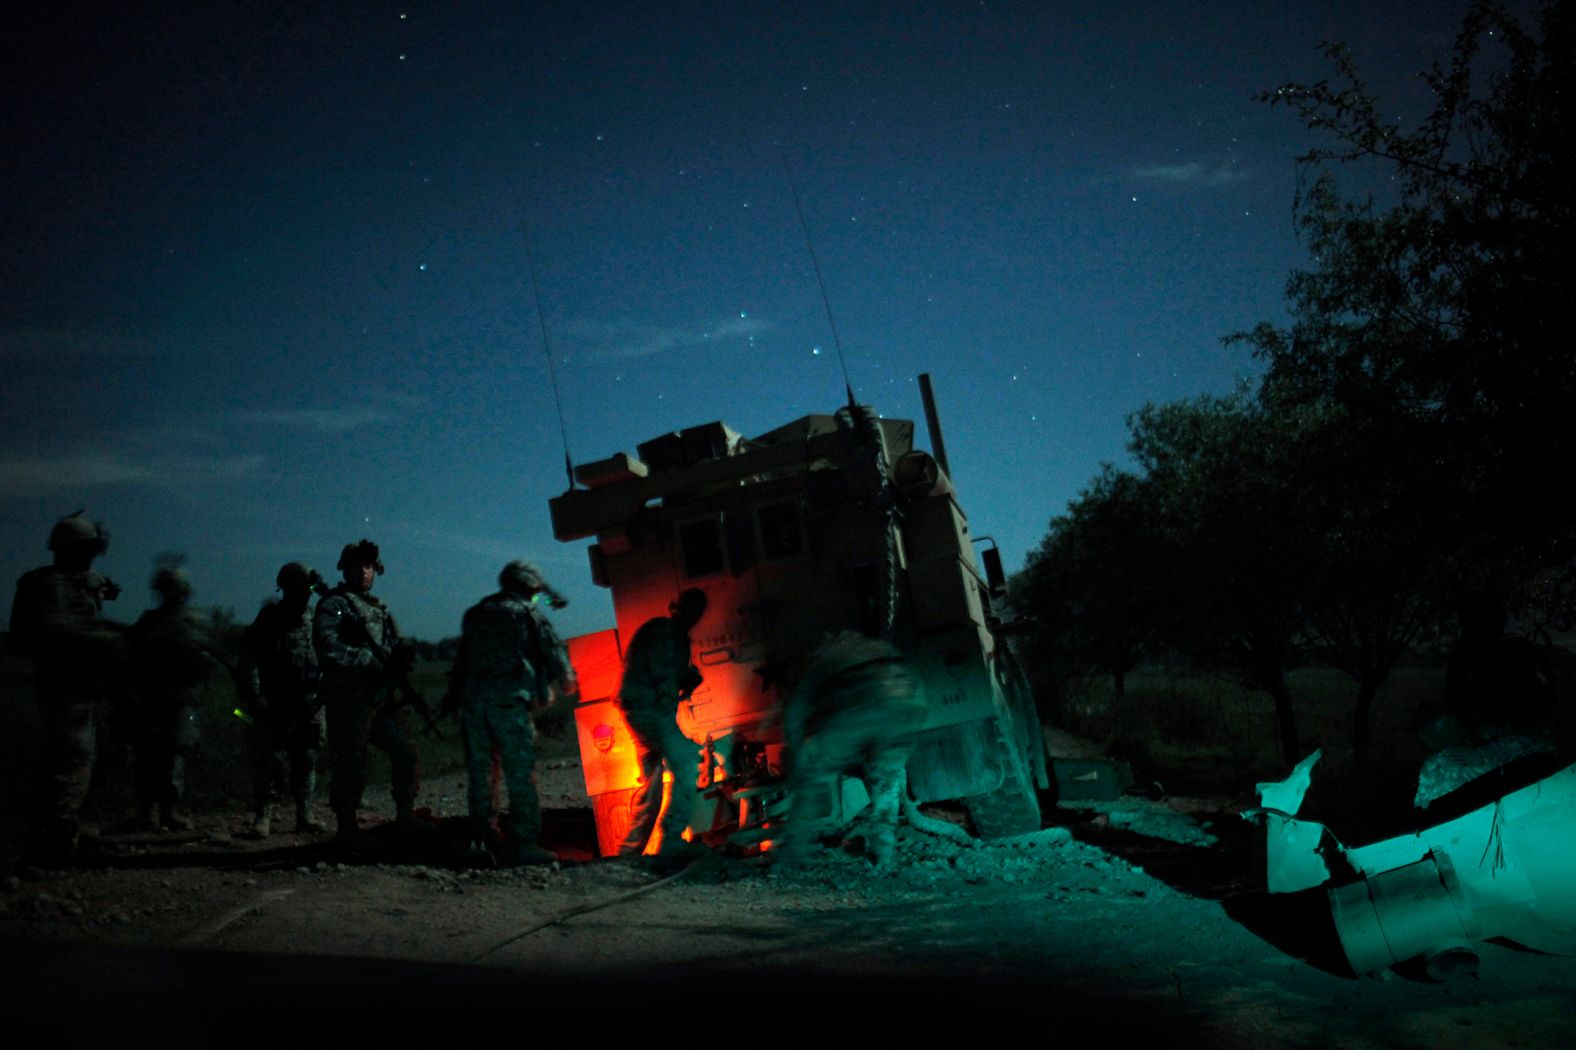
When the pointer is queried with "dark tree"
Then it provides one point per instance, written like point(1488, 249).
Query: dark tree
point(1378, 546)
point(1232, 530)
point(1442, 317)
point(1093, 585)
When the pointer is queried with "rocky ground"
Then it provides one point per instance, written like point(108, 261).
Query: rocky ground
point(1129, 917)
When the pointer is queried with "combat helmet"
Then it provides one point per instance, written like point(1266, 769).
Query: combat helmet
point(363, 553)
point(75, 530)
point(296, 575)
point(690, 605)
point(172, 584)
point(521, 577)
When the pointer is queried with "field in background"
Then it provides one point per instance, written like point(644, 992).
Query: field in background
point(1203, 733)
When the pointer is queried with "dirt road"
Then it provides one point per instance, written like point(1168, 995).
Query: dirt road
point(1135, 918)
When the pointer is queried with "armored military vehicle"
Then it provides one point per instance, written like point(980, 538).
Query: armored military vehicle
point(828, 523)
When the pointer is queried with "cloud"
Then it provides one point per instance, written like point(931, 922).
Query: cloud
point(388, 407)
point(604, 341)
point(42, 343)
point(564, 561)
point(321, 420)
point(31, 475)
point(1192, 173)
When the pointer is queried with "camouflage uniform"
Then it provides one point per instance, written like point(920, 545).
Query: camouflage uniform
point(656, 669)
point(279, 675)
point(853, 713)
point(171, 649)
point(76, 659)
point(355, 693)
point(509, 657)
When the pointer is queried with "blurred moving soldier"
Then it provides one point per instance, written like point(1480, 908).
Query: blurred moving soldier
point(172, 660)
point(854, 712)
point(76, 658)
point(510, 660)
point(658, 676)
point(360, 652)
point(278, 677)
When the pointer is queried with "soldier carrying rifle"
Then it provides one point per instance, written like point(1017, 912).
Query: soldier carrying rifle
point(363, 659)
point(77, 657)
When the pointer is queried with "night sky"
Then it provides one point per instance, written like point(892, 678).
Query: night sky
point(265, 289)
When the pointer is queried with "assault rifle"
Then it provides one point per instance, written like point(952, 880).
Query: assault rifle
point(399, 689)
point(396, 687)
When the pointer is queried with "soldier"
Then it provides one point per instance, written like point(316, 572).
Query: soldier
point(360, 652)
point(278, 677)
point(658, 676)
point(76, 656)
point(853, 712)
point(509, 661)
point(172, 659)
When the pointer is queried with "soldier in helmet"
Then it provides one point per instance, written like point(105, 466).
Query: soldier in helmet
point(76, 658)
point(510, 659)
point(359, 649)
point(278, 675)
point(172, 650)
point(658, 676)
point(853, 712)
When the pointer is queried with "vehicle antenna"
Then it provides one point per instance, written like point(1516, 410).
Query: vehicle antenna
point(816, 265)
point(547, 349)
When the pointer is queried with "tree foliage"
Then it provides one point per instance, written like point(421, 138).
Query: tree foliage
point(1092, 584)
point(1232, 532)
point(1442, 317)
point(1398, 449)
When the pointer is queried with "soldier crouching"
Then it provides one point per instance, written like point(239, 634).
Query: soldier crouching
point(658, 677)
point(854, 712)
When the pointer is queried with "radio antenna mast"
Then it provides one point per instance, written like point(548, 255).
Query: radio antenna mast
point(547, 350)
point(815, 264)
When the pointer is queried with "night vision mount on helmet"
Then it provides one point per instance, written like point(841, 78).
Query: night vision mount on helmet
point(295, 575)
point(362, 553)
point(74, 530)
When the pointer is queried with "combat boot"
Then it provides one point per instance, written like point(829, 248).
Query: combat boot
point(348, 835)
point(175, 820)
point(881, 846)
point(671, 857)
point(521, 854)
point(262, 824)
point(304, 820)
point(406, 821)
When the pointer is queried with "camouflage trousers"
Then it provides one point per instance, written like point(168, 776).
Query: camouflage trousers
point(69, 747)
point(500, 744)
point(167, 732)
point(857, 741)
point(287, 739)
point(659, 744)
point(357, 719)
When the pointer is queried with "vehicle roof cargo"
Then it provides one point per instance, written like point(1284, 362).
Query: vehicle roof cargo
point(689, 446)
